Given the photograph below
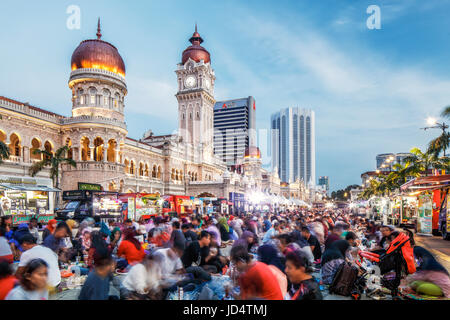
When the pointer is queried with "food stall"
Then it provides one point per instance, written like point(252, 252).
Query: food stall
point(26, 197)
point(142, 205)
point(100, 205)
point(182, 205)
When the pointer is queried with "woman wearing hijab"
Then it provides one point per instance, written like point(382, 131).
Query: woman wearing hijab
point(431, 277)
point(246, 240)
point(332, 258)
point(224, 229)
point(51, 226)
point(269, 255)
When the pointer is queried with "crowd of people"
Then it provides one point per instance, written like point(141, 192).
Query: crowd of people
point(291, 255)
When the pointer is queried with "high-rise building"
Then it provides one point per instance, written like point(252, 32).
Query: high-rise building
point(234, 128)
point(293, 145)
point(386, 161)
point(325, 181)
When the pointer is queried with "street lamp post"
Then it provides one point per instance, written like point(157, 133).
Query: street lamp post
point(436, 125)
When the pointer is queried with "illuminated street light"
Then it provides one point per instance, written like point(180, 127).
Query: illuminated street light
point(431, 121)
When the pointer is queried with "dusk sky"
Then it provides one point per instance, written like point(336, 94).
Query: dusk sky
point(371, 90)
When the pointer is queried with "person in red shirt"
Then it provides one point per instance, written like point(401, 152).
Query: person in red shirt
point(256, 281)
point(130, 248)
point(7, 280)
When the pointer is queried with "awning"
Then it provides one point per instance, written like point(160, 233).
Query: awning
point(430, 181)
point(28, 188)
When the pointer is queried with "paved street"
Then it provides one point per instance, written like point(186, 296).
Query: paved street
point(439, 247)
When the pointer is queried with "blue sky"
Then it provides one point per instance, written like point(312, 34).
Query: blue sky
point(371, 89)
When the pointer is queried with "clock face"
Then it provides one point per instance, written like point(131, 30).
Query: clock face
point(190, 81)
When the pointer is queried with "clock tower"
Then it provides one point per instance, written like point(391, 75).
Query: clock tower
point(196, 98)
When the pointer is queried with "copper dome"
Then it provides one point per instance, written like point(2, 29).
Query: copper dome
point(196, 52)
point(252, 152)
point(98, 54)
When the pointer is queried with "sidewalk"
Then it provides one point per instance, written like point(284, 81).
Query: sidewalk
point(437, 246)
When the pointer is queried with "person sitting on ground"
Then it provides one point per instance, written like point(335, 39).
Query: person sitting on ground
point(211, 227)
point(197, 251)
point(247, 240)
point(114, 240)
point(130, 249)
point(256, 279)
point(5, 248)
point(7, 280)
point(224, 229)
point(177, 235)
point(431, 277)
point(55, 241)
point(143, 280)
point(313, 243)
point(189, 234)
point(33, 282)
point(271, 233)
point(17, 235)
point(333, 236)
point(298, 270)
point(34, 251)
point(97, 284)
point(97, 244)
point(268, 254)
point(51, 226)
point(34, 230)
point(157, 235)
point(332, 258)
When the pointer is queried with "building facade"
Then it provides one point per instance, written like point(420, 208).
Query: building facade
point(234, 129)
point(325, 183)
point(293, 144)
point(97, 137)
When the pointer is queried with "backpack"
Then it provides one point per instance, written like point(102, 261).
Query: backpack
point(344, 279)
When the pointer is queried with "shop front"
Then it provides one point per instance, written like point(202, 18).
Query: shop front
point(26, 197)
point(142, 205)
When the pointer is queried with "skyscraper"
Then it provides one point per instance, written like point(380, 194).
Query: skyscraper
point(234, 128)
point(293, 144)
point(325, 182)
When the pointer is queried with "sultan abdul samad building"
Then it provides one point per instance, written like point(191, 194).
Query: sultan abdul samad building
point(96, 133)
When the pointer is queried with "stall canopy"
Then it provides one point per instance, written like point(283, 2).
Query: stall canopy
point(427, 183)
point(28, 188)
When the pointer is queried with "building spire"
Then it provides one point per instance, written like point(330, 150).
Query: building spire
point(195, 26)
point(99, 33)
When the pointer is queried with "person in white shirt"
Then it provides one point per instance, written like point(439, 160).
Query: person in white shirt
point(143, 280)
point(34, 251)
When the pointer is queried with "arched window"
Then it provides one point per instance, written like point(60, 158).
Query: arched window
point(98, 149)
point(181, 175)
point(106, 98)
point(92, 95)
point(35, 145)
point(80, 97)
point(127, 166)
point(2, 136)
point(69, 151)
point(154, 171)
point(196, 177)
point(14, 146)
point(173, 177)
point(146, 170)
point(159, 176)
point(132, 167)
point(141, 169)
point(116, 100)
point(85, 150)
point(177, 175)
point(49, 148)
point(111, 152)
point(112, 186)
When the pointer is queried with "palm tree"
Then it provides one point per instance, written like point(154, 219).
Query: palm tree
point(4, 151)
point(420, 162)
point(53, 161)
point(439, 144)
